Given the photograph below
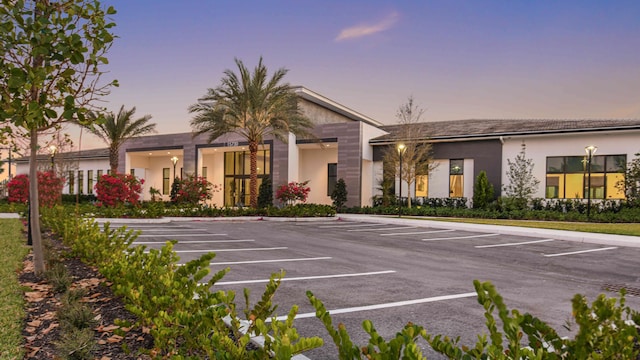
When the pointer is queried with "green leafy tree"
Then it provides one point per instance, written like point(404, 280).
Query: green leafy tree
point(339, 194)
point(416, 153)
point(521, 184)
point(631, 183)
point(52, 55)
point(482, 191)
point(253, 106)
point(265, 194)
point(115, 129)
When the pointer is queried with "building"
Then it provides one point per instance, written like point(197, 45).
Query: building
point(350, 146)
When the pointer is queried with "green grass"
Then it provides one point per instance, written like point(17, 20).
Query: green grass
point(632, 229)
point(12, 312)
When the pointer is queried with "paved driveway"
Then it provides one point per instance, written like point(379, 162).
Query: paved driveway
point(396, 273)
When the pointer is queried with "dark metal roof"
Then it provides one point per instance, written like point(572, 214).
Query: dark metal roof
point(486, 128)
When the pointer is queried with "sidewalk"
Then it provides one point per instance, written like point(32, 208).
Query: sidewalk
point(585, 237)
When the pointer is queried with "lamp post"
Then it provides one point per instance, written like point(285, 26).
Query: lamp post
point(52, 149)
point(590, 150)
point(401, 149)
point(174, 160)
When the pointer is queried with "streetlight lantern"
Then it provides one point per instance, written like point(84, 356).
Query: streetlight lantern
point(401, 149)
point(174, 160)
point(52, 150)
point(590, 150)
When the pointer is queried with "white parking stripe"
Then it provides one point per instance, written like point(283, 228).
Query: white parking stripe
point(305, 278)
point(513, 244)
point(190, 242)
point(461, 237)
point(383, 306)
point(350, 225)
point(269, 261)
point(417, 232)
point(180, 235)
point(228, 250)
point(378, 229)
point(581, 252)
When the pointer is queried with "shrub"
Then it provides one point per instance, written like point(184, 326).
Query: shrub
point(292, 192)
point(49, 189)
point(192, 190)
point(339, 194)
point(265, 194)
point(482, 191)
point(118, 189)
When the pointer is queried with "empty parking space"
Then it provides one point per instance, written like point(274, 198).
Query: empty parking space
point(388, 273)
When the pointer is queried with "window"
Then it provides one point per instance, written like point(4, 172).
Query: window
point(165, 181)
point(99, 174)
point(422, 185)
point(568, 177)
point(456, 179)
point(204, 172)
point(80, 182)
point(71, 182)
point(332, 177)
point(89, 181)
point(237, 172)
point(133, 172)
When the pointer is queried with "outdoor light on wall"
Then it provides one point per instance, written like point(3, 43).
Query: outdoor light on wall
point(401, 150)
point(590, 150)
point(174, 160)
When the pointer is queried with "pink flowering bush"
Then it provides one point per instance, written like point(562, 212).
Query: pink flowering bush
point(292, 192)
point(49, 189)
point(192, 190)
point(117, 189)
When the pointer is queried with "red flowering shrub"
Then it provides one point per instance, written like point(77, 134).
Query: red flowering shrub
point(117, 189)
point(49, 189)
point(192, 190)
point(292, 192)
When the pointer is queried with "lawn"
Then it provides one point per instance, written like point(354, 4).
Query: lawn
point(632, 229)
point(14, 249)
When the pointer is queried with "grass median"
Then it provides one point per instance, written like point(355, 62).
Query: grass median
point(632, 229)
point(12, 243)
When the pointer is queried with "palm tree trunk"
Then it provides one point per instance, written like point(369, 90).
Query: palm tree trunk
point(113, 160)
point(253, 179)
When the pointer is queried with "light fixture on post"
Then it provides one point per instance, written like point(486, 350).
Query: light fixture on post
point(52, 150)
point(590, 150)
point(174, 160)
point(401, 149)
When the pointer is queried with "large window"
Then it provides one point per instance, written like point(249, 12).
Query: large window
point(332, 177)
point(165, 181)
point(236, 175)
point(456, 178)
point(89, 181)
point(568, 177)
point(422, 185)
point(71, 182)
point(80, 182)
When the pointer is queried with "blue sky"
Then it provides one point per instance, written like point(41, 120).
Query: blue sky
point(459, 59)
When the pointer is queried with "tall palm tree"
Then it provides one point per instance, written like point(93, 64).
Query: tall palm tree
point(114, 130)
point(252, 106)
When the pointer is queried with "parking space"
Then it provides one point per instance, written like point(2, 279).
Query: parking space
point(393, 273)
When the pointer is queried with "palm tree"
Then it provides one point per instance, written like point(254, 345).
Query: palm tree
point(253, 107)
point(114, 130)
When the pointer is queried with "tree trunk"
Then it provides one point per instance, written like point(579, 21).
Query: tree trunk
point(34, 208)
point(113, 160)
point(253, 179)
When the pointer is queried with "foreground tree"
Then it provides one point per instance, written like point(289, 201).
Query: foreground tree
point(521, 184)
point(254, 107)
point(482, 191)
point(52, 54)
point(417, 159)
point(114, 130)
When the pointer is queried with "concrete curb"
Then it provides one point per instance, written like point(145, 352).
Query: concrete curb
point(168, 219)
point(584, 237)
point(9, 216)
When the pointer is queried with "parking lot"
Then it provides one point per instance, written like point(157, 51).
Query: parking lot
point(393, 274)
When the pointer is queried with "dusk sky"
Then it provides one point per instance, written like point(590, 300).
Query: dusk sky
point(459, 59)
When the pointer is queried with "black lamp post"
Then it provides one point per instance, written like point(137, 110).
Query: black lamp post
point(174, 160)
point(401, 149)
point(53, 149)
point(590, 150)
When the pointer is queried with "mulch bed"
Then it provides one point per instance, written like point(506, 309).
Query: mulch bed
point(42, 329)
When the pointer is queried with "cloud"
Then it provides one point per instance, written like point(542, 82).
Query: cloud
point(355, 32)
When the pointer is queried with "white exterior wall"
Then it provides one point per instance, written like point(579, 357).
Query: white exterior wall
point(215, 175)
point(538, 148)
point(84, 166)
point(294, 159)
point(439, 179)
point(313, 167)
